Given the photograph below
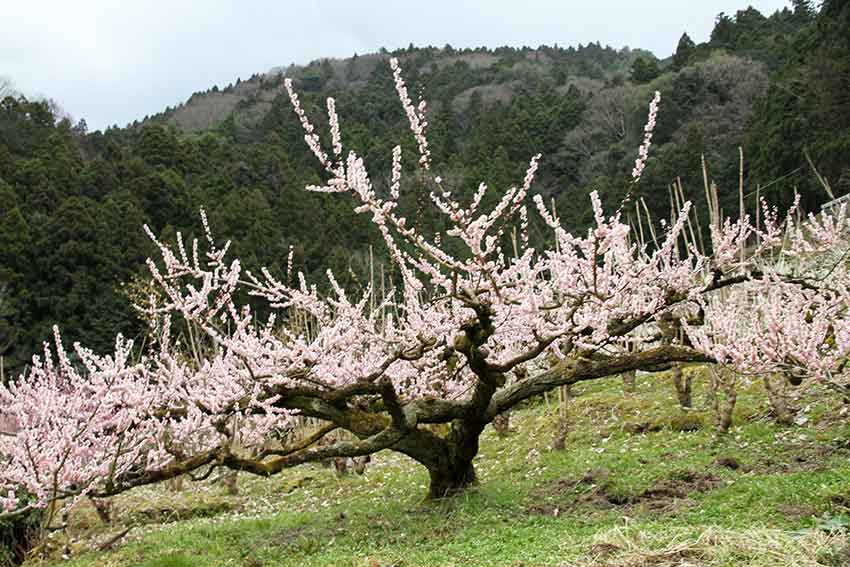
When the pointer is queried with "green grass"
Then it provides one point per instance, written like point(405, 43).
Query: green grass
point(612, 498)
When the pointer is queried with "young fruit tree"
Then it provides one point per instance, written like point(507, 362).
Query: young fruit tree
point(462, 338)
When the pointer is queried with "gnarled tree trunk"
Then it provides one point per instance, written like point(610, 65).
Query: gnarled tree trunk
point(448, 459)
point(176, 484)
point(502, 424)
point(229, 479)
point(562, 426)
point(682, 383)
point(452, 477)
point(630, 382)
point(723, 381)
point(778, 403)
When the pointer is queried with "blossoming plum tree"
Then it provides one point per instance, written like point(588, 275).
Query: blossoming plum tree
point(460, 340)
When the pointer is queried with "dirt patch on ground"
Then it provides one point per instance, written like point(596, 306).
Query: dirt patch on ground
point(728, 462)
point(803, 456)
point(641, 427)
point(287, 536)
point(595, 490)
point(841, 500)
point(795, 512)
point(799, 456)
point(673, 494)
point(307, 540)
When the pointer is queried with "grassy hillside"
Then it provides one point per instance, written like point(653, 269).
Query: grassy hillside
point(630, 490)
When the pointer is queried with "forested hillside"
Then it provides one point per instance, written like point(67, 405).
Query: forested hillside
point(72, 203)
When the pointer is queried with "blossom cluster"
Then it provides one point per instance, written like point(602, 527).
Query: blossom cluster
point(643, 151)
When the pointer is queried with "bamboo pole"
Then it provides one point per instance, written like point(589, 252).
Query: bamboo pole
point(741, 209)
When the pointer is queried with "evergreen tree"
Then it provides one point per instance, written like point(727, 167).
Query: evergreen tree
point(644, 70)
point(684, 51)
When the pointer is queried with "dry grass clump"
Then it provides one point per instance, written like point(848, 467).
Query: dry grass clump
point(715, 547)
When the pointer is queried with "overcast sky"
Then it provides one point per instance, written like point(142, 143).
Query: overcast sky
point(114, 61)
